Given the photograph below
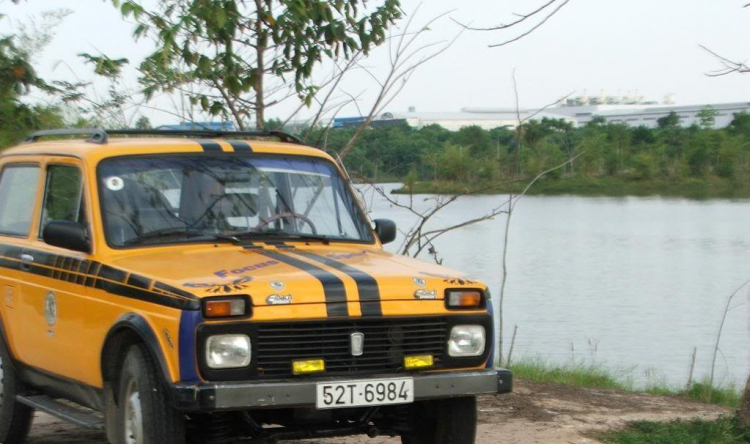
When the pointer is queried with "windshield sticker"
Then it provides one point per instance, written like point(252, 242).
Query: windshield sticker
point(114, 183)
point(243, 270)
point(221, 287)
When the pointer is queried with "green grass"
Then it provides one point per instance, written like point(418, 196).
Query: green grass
point(726, 430)
point(577, 374)
point(582, 374)
point(728, 396)
point(693, 188)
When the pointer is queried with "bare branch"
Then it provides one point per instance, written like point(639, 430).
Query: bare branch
point(538, 25)
point(729, 65)
point(523, 17)
point(399, 71)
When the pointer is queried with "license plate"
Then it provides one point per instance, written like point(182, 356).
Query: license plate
point(364, 393)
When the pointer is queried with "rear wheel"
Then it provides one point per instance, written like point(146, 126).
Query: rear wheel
point(144, 413)
point(15, 418)
point(447, 421)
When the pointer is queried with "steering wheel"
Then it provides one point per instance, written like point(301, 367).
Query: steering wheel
point(278, 216)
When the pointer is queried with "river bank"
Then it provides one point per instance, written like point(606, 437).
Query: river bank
point(691, 188)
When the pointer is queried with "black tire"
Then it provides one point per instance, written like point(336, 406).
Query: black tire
point(15, 418)
point(141, 389)
point(447, 421)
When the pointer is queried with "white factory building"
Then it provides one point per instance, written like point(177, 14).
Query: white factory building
point(637, 114)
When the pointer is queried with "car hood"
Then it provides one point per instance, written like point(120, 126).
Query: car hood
point(296, 275)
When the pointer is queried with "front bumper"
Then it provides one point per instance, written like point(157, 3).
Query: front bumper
point(210, 397)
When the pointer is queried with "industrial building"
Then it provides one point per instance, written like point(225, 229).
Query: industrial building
point(578, 111)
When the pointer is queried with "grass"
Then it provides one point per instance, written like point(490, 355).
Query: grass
point(689, 187)
point(725, 430)
point(582, 374)
point(576, 374)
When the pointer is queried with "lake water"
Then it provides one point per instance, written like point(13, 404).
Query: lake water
point(630, 283)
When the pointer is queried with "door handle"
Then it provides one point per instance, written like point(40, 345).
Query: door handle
point(27, 261)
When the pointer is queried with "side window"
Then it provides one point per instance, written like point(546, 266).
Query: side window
point(18, 188)
point(63, 196)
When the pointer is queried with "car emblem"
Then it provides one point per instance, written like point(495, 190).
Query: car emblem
point(419, 282)
point(357, 341)
point(425, 294)
point(279, 299)
point(277, 285)
point(50, 309)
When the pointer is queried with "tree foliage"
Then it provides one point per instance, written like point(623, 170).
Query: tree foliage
point(474, 156)
point(17, 78)
point(225, 54)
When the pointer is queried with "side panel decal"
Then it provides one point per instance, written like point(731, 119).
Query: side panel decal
point(94, 274)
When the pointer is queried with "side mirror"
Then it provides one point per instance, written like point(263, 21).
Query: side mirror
point(69, 235)
point(386, 230)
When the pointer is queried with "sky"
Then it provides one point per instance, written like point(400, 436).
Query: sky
point(615, 47)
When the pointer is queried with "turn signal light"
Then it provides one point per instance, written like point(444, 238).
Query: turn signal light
point(225, 308)
point(464, 298)
point(415, 362)
point(307, 366)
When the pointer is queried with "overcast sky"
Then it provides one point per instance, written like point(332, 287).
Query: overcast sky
point(614, 46)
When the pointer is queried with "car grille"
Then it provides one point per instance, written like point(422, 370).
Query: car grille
point(386, 343)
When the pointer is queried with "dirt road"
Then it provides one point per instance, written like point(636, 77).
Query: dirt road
point(534, 413)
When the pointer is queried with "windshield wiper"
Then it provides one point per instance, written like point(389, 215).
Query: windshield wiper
point(280, 235)
point(175, 232)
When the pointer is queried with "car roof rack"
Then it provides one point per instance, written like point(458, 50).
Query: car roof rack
point(98, 135)
point(101, 136)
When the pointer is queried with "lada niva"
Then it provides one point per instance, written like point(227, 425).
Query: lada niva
point(211, 287)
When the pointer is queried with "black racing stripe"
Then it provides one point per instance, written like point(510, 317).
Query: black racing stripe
point(83, 269)
point(162, 287)
point(112, 274)
point(139, 281)
point(210, 146)
point(279, 244)
point(367, 286)
point(251, 246)
point(240, 146)
point(94, 274)
point(147, 296)
point(333, 287)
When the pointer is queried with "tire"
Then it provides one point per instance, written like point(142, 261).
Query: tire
point(144, 412)
point(15, 418)
point(447, 421)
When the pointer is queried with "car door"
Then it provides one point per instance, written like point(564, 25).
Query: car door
point(53, 300)
point(20, 181)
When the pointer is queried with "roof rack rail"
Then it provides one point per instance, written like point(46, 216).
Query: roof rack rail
point(98, 135)
point(207, 133)
point(101, 136)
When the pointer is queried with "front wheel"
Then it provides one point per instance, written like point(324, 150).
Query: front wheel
point(15, 418)
point(144, 413)
point(447, 421)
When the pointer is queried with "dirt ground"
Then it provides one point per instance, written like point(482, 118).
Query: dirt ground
point(534, 413)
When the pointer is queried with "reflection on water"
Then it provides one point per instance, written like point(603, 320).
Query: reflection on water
point(632, 283)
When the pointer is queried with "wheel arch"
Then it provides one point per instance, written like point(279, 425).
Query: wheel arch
point(130, 329)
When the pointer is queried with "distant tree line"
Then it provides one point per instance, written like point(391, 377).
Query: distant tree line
point(473, 155)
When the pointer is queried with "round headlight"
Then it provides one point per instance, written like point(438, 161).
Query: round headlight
point(467, 340)
point(228, 351)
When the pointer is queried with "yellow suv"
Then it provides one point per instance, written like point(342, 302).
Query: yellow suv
point(174, 287)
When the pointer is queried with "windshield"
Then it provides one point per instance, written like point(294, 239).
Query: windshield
point(171, 199)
